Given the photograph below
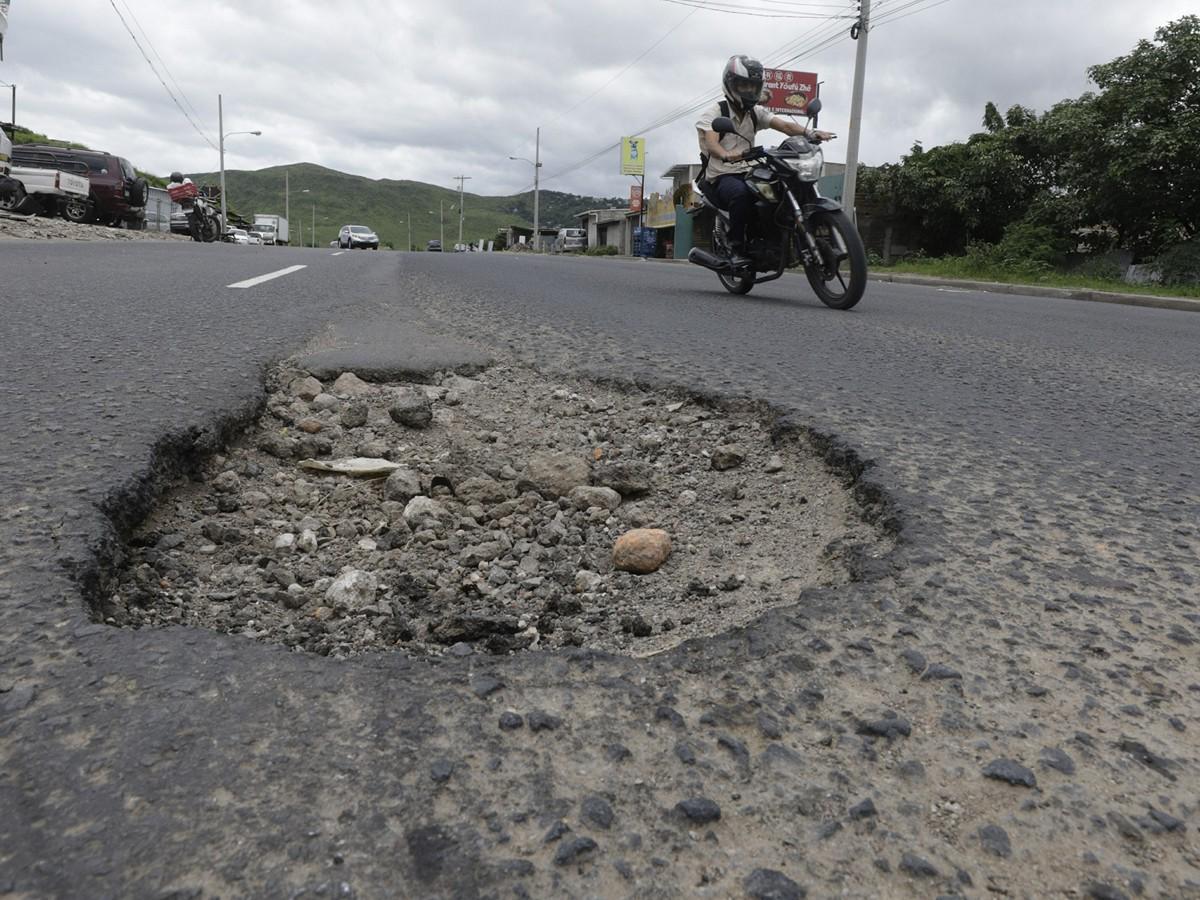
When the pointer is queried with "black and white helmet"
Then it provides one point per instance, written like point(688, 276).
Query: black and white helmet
point(177, 177)
point(743, 82)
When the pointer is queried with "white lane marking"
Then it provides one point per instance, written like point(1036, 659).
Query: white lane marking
point(953, 291)
point(251, 282)
point(339, 253)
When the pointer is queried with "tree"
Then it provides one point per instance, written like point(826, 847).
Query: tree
point(1132, 151)
point(992, 120)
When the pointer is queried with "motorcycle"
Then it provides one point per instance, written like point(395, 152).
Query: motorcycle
point(792, 224)
point(204, 223)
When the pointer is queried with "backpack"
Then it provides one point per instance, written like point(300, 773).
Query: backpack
point(724, 107)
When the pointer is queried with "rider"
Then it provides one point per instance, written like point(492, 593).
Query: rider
point(743, 85)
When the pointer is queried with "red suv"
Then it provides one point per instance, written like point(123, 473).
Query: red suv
point(118, 195)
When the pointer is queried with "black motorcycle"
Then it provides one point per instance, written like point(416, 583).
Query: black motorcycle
point(792, 225)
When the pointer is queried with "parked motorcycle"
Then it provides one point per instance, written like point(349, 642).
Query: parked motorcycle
point(204, 223)
point(792, 225)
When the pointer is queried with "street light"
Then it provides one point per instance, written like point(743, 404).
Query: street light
point(287, 209)
point(442, 222)
point(536, 162)
point(13, 123)
point(223, 135)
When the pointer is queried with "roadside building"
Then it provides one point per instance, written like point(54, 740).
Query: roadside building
point(606, 228)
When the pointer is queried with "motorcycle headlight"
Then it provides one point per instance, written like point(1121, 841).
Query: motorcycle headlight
point(809, 166)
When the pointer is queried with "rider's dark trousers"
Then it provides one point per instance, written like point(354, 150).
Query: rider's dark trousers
point(735, 195)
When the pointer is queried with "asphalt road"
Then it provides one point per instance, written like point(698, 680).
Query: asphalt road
point(1038, 455)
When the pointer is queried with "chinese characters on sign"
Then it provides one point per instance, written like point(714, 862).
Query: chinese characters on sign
point(789, 91)
point(633, 156)
point(635, 198)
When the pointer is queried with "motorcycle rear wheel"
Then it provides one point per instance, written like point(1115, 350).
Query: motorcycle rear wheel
point(209, 230)
point(735, 284)
point(840, 278)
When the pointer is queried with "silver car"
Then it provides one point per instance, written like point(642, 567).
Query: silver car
point(351, 237)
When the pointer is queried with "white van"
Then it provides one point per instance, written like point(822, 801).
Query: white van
point(569, 240)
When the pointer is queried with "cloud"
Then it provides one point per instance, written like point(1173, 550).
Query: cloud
point(412, 90)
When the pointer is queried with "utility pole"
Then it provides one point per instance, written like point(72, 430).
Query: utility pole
point(287, 198)
point(221, 131)
point(859, 32)
point(537, 165)
point(461, 179)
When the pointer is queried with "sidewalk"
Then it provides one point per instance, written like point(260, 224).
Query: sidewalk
point(1024, 290)
point(1033, 290)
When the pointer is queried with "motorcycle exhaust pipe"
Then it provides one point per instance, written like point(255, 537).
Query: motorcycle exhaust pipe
point(708, 260)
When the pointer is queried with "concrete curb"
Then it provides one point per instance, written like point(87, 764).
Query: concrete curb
point(1032, 290)
point(1025, 290)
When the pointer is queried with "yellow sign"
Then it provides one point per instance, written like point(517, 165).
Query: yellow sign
point(633, 156)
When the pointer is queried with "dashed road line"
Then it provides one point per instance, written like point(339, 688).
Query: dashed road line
point(251, 282)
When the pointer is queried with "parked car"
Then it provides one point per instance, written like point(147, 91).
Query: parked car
point(179, 223)
point(569, 240)
point(434, 246)
point(254, 239)
point(237, 235)
point(117, 195)
point(351, 237)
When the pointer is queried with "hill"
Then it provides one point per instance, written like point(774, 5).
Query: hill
point(386, 205)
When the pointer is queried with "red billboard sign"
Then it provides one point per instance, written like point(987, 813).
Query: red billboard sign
point(789, 91)
point(635, 198)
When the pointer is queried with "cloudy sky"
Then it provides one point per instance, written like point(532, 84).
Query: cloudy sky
point(421, 90)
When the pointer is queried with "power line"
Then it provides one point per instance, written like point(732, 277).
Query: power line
point(634, 62)
point(824, 35)
point(171, 94)
point(158, 56)
point(740, 10)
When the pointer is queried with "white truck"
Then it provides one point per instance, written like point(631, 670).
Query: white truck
point(24, 190)
point(271, 228)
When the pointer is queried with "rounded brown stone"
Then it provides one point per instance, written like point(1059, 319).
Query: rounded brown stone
point(642, 550)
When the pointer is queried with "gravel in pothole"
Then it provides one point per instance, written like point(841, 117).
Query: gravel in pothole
point(496, 523)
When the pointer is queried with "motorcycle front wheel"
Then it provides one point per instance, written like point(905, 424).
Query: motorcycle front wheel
point(839, 277)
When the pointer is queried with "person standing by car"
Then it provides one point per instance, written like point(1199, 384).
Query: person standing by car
point(721, 155)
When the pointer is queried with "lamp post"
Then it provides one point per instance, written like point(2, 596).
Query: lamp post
point(536, 162)
point(13, 121)
point(223, 135)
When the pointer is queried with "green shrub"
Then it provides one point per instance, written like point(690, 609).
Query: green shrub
point(1180, 264)
point(1101, 267)
point(606, 250)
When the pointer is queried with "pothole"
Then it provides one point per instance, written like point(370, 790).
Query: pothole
point(498, 528)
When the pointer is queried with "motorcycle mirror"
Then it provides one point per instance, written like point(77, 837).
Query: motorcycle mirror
point(814, 106)
point(723, 125)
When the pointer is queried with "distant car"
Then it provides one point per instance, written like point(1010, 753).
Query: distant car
point(237, 236)
point(351, 237)
point(569, 240)
point(179, 223)
point(434, 246)
point(254, 238)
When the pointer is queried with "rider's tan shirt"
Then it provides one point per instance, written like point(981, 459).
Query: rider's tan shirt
point(734, 143)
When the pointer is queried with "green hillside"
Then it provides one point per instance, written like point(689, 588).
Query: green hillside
point(386, 205)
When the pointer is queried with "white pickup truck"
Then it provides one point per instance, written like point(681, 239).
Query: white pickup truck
point(46, 190)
